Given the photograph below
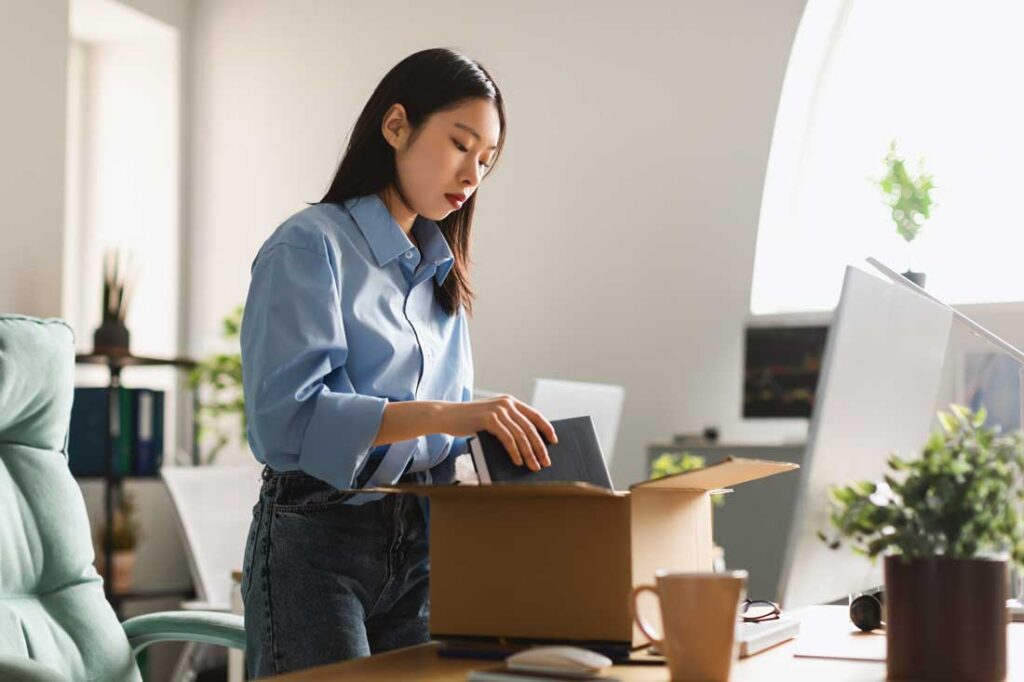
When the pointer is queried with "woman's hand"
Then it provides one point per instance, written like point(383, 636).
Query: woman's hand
point(512, 421)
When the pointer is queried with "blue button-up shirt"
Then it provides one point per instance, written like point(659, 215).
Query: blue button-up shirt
point(341, 318)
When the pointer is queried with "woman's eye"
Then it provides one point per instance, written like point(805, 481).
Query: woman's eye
point(462, 148)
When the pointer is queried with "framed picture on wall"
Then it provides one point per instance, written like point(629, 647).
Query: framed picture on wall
point(992, 380)
point(780, 370)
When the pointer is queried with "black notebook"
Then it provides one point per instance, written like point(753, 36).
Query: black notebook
point(575, 458)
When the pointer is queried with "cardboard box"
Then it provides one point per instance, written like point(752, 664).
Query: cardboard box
point(558, 561)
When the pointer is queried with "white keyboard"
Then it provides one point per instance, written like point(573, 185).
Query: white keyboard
point(756, 637)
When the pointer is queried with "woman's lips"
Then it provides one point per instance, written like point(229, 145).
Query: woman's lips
point(454, 199)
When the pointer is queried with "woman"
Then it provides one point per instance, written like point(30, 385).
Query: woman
point(358, 372)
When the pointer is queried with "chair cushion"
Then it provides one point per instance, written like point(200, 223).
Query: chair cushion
point(52, 607)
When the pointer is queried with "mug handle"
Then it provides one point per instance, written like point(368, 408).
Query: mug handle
point(644, 626)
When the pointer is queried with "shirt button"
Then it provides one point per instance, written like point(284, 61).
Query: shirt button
point(408, 254)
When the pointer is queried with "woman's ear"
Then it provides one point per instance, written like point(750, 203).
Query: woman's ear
point(395, 126)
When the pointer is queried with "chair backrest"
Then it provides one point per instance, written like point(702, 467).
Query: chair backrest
point(214, 506)
point(52, 606)
point(557, 399)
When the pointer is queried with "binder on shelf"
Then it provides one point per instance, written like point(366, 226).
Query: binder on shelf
point(136, 427)
point(124, 430)
point(87, 439)
point(149, 431)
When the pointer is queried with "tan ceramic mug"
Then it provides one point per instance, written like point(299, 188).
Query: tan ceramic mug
point(699, 614)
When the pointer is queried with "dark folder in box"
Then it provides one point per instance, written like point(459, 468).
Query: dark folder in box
point(575, 458)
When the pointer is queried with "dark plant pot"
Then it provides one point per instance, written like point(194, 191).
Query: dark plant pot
point(111, 337)
point(915, 277)
point(945, 618)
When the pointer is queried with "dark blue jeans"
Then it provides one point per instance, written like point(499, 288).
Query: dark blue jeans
point(325, 581)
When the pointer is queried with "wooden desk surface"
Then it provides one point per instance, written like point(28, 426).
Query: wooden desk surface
point(423, 663)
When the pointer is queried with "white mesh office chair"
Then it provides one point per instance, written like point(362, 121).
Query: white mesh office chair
point(214, 508)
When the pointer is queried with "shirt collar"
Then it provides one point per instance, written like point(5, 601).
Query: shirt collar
point(388, 240)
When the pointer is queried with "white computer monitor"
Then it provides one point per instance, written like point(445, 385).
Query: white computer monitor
point(559, 399)
point(876, 395)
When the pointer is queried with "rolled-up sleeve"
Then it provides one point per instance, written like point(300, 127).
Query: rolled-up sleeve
point(302, 410)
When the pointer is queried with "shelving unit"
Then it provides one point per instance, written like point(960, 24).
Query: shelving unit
point(112, 481)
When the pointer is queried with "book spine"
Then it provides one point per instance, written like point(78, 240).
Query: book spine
point(158, 429)
point(124, 465)
point(145, 453)
point(88, 432)
point(114, 429)
point(479, 461)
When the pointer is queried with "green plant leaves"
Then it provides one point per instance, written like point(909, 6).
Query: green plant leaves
point(908, 196)
point(963, 497)
point(217, 381)
point(669, 463)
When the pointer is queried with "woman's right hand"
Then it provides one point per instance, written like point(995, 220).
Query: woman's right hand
point(517, 425)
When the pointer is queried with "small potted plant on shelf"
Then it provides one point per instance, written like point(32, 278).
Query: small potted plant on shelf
point(119, 282)
point(909, 199)
point(126, 535)
point(948, 525)
point(669, 463)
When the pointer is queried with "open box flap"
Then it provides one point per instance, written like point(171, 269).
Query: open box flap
point(729, 472)
point(503, 490)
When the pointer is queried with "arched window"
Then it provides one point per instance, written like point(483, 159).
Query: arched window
point(942, 79)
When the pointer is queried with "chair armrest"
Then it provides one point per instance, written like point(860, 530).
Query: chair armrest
point(197, 605)
point(21, 668)
point(206, 627)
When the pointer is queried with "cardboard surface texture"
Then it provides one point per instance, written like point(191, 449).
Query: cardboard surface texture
point(558, 561)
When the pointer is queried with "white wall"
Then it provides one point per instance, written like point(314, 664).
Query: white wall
point(33, 69)
point(123, 179)
point(614, 242)
point(129, 186)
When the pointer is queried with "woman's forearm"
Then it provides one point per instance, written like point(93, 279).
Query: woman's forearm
point(409, 419)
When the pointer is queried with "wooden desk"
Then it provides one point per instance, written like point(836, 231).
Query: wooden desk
point(422, 662)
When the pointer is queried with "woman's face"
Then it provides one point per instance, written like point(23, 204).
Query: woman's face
point(442, 165)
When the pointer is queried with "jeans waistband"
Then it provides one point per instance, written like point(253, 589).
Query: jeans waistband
point(368, 470)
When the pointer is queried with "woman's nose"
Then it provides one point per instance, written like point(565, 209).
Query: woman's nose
point(471, 176)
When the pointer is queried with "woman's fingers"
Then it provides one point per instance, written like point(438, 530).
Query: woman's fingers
point(522, 442)
point(540, 452)
point(499, 429)
point(541, 423)
point(518, 426)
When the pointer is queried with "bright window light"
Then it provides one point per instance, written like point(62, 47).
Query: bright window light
point(939, 78)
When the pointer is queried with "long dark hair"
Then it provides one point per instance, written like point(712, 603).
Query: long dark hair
point(424, 83)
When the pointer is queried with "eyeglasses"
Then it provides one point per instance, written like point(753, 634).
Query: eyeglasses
point(759, 610)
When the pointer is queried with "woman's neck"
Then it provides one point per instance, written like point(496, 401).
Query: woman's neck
point(403, 215)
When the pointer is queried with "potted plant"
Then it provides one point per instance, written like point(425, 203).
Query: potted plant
point(120, 278)
point(909, 199)
point(126, 535)
point(947, 524)
point(669, 463)
point(218, 382)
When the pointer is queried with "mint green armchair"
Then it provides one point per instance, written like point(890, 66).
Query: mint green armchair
point(55, 623)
